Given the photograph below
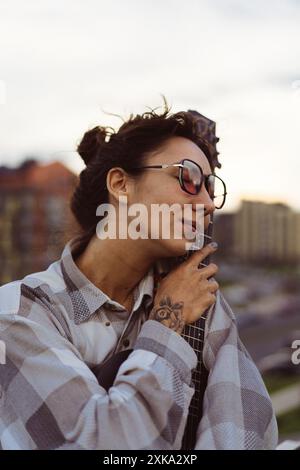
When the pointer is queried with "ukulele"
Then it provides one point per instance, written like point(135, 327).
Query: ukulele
point(192, 333)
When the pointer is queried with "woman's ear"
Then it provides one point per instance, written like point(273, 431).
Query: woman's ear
point(118, 183)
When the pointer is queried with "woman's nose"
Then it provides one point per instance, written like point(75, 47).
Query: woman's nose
point(204, 198)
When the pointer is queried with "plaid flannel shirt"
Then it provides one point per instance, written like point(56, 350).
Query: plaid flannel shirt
point(56, 325)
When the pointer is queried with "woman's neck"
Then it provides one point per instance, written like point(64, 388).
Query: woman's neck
point(115, 267)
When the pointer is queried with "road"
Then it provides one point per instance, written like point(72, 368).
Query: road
point(268, 337)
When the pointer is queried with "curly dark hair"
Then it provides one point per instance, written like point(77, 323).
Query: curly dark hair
point(102, 148)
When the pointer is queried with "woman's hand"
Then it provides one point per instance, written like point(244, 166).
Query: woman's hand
point(185, 293)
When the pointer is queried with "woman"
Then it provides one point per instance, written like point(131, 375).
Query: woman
point(99, 299)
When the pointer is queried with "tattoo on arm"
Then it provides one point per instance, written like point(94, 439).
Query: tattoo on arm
point(169, 314)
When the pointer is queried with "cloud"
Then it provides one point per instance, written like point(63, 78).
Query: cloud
point(235, 61)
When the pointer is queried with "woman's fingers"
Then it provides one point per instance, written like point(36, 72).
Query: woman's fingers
point(213, 286)
point(196, 258)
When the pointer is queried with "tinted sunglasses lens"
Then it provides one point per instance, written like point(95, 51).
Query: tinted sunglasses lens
point(191, 177)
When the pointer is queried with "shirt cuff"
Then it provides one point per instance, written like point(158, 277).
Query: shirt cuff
point(158, 338)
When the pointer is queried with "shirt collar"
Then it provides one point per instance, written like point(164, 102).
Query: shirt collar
point(86, 298)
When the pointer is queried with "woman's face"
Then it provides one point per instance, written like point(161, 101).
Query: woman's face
point(158, 186)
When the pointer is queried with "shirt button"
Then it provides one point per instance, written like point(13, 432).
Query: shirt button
point(126, 342)
point(107, 323)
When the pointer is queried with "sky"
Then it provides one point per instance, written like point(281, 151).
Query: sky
point(64, 64)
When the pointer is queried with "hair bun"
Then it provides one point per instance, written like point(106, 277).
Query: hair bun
point(91, 143)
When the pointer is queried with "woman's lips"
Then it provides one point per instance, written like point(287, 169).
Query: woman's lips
point(193, 224)
point(190, 224)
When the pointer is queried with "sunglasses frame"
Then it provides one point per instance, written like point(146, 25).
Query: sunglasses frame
point(180, 165)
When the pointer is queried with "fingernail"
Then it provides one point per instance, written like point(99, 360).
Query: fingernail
point(214, 245)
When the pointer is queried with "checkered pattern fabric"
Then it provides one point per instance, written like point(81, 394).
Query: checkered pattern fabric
point(56, 325)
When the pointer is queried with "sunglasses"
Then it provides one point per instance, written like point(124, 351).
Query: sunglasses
point(191, 179)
